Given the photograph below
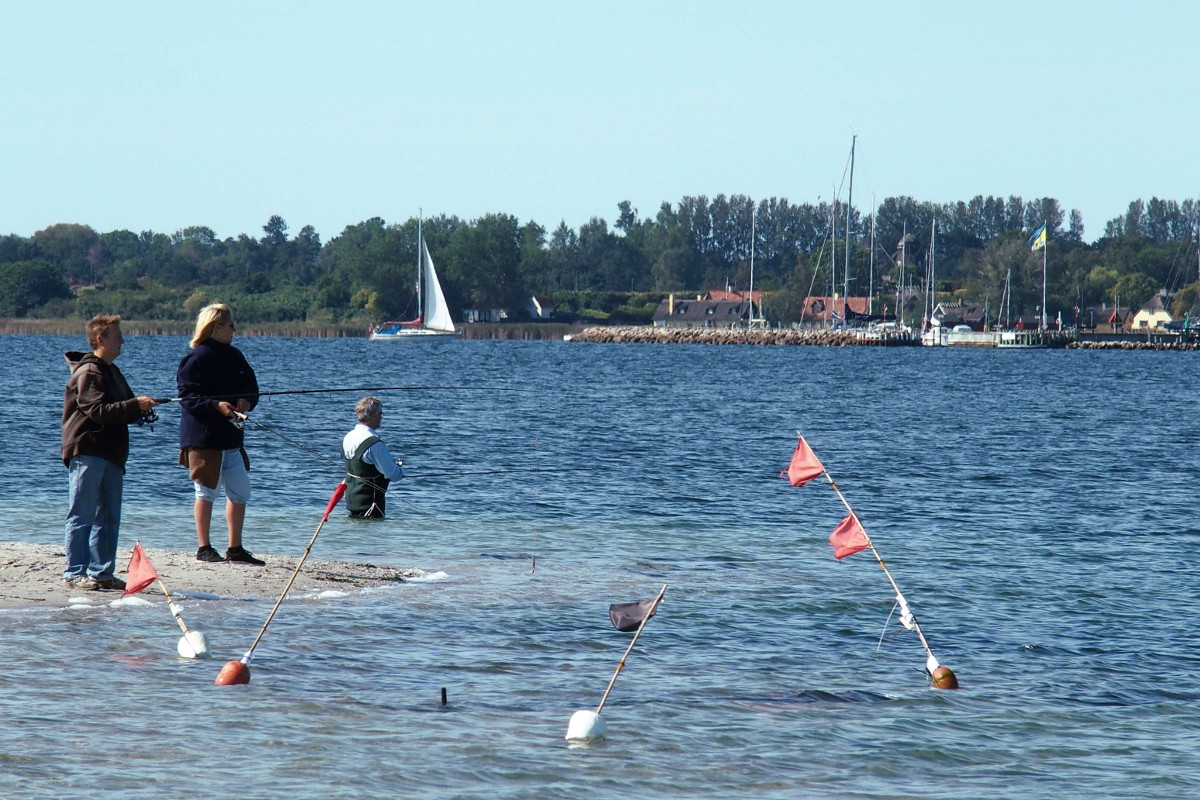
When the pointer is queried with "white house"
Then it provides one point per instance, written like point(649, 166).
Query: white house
point(540, 308)
point(1153, 314)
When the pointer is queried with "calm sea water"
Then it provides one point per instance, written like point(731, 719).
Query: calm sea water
point(1036, 508)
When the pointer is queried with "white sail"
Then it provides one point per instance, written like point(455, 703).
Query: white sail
point(433, 315)
point(436, 313)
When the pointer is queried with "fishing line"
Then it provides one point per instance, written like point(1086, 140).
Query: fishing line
point(241, 419)
point(346, 389)
point(886, 623)
point(335, 463)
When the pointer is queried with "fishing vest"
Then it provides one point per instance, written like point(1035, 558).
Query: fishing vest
point(365, 485)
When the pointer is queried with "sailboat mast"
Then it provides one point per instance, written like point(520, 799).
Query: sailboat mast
point(1006, 302)
point(753, 230)
point(420, 283)
point(932, 269)
point(832, 258)
point(871, 272)
point(900, 284)
point(849, 211)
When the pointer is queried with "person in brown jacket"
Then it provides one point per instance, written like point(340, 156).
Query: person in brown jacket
point(98, 407)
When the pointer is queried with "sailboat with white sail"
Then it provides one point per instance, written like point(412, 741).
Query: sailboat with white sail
point(433, 315)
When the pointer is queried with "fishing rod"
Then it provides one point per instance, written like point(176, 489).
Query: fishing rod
point(241, 419)
point(324, 391)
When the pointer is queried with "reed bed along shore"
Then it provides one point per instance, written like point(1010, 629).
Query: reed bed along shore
point(315, 330)
point(136, 327)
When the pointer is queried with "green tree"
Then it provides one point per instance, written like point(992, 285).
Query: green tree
point(306, 247)
point(483, 264)
point(68, 246)
point(25, 285)
point(566, 268)
point(535, 259)
point(276, 232)
point(1133, 290)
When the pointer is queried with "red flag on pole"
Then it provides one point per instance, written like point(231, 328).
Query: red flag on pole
point(338, 494)
point(805, 465)
point(139, 574)
point(848, 538)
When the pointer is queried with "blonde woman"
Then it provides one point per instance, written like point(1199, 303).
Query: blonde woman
point(216, 383)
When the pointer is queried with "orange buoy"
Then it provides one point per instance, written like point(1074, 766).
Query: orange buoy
point(234, 672)
point(943, 678)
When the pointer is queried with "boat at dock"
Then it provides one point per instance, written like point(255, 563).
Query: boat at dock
point(1031, 340)
point(963, 336)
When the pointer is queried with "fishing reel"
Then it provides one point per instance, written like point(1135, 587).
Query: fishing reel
point(148, 419)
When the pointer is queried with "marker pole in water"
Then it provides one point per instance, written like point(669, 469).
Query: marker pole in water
point(141, 573)
point(192, 644)
point(943, 677)
point(236, 672)
point(587, 725)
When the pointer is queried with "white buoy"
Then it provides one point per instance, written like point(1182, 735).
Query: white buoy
point(193, 645)
point(586, 726)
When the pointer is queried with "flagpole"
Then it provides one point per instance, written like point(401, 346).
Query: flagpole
point(621, 665)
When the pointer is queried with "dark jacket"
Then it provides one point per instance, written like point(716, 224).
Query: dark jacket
point(213, 372)
point(98, 407)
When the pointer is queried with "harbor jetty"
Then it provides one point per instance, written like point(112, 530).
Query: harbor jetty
point(858, 337)
point(647, 334)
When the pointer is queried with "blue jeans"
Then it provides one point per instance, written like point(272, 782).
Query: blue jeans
point(93, 517)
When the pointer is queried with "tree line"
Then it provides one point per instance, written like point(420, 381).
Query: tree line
point(619, 272)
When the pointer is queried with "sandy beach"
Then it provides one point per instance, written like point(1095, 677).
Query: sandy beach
point(31, 576)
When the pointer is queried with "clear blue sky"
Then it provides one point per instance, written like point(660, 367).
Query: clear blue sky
point(162, 115)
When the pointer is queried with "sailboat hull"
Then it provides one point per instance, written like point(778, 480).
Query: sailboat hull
point(411, 334)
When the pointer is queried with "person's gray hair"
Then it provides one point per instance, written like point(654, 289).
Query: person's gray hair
point(367, 408)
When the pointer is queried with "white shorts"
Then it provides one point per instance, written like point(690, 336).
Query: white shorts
point(234, 478)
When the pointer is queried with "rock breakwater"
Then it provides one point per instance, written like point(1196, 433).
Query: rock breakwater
point(646, 334)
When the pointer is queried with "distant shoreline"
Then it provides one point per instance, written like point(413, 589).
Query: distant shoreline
point(312, 330)
point(599, 334)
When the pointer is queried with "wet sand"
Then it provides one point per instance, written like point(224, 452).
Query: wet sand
point(31, 576)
